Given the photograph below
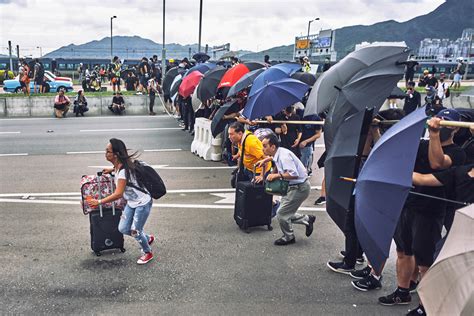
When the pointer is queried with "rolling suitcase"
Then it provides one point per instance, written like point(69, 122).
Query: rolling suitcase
point(253, 207)
point(105, 218)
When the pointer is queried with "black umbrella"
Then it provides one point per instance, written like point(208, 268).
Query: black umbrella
point(201, 57)
point(207, 88)
point(367, 89)
point(175, 86)
point(169, 77)
point(244, 82)
point(218, 124)
point(343, 160)
point(305, 77)
point(397, 93)
point(252, 65)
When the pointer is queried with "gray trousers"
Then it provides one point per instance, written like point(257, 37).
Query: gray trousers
point(289, 204)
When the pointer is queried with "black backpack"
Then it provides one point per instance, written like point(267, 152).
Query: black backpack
point(149, 181)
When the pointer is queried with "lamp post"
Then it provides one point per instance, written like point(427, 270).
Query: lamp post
point(200, 26)
point(309, 26)
point(41, 51)
point(111, 38)
point(163, 51)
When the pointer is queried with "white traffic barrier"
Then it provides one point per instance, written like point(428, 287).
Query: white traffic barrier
point(204, 145)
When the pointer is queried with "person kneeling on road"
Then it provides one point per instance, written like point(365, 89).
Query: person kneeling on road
point(139, 204)
point(61, 104)
point(80, 103)
point(288, 167)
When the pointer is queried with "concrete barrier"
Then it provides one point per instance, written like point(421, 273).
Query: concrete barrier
point(43, 106)
point(204, 145)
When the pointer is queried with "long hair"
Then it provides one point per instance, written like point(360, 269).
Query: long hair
point(126, 159)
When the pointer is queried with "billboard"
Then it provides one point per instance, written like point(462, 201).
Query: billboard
point(301, 44)
point(322, 42)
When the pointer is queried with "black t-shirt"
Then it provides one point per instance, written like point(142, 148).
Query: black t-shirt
point(431, 81)
point(118, 100)
point(422, 165)
point(287, 140)
point(309, 129)
point(129, 83)
point(144, 68)
point(411, 65)
point(412, 102)
point(459, 179)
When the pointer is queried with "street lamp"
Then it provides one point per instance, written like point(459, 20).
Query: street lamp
point(41, 51)
point(309, 26)
point(200, 26)
point(111, 38)
point(163, 50)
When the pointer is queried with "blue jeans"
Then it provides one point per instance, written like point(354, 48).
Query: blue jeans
point(306, 155)
point(134, 219)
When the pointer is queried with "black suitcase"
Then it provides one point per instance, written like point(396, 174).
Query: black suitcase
point(253, 207)
point(104, 231)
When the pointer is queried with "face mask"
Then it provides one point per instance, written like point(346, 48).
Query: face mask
point(445, 134)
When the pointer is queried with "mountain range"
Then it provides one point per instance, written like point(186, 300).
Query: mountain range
point(446, 21)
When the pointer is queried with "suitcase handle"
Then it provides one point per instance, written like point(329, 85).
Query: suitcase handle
point(99, 174)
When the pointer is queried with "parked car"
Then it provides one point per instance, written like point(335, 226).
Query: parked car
point(51, 85)
point(52, 76)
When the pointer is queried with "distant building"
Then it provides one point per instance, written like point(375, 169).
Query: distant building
point(446, 49)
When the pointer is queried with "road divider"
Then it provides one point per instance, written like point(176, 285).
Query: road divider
point(204, 144)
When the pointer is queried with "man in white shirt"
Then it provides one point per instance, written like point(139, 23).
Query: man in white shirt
point(290, 168)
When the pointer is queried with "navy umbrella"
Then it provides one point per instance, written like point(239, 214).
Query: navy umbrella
point(175, 85)
point(305, 77)
point(383, 186)
point(253, 65)
point(273, 97)
point(274, 73)
point(244, 82)
point(343, 160)
point(207, 88)
point(201, 67)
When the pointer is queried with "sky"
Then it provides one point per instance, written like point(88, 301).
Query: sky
point(246, 24)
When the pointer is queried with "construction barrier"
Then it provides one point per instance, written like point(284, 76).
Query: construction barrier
point(204, 145)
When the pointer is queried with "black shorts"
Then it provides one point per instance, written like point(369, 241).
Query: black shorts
point(22, 84)
point(417, 234)
point(143, 80)
point(409, 76)
point(39, 81)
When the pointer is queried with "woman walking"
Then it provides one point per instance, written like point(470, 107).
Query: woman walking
point(139, 203)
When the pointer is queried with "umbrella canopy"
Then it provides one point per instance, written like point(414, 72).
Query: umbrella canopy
point(274, 73)
point(218, 124)
point(201, 67)
point(397, 93)
point(244, 82)
point(305, 77)
point(195, 102)
point(380, 192)
point(190, 82)
point(201, 57)
point(449, 284)
point(169, 77)
point(343, 160)
point(368, 88)
point(324, 91)
point(208, 87)
point(232, 76)
point(274, 97)
point(175, 84)
point(253, 65)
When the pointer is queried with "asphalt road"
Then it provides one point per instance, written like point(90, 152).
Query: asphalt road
point(203, 265)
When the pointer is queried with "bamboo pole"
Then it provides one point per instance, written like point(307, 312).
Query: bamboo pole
point(290, 122)
point(442, 123)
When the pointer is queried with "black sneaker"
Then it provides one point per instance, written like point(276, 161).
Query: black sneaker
point(361, 274)
point(419, 311)
point(413, 286)
point(360, 260)
point(396, 298)
point(367, 284)
point(309, 227)
point(320, 201)
point(283, 242)
point(340, 267)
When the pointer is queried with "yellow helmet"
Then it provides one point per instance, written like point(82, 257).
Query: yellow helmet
point(171, 60)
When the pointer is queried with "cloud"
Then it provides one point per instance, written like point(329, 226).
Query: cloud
point(246, 24)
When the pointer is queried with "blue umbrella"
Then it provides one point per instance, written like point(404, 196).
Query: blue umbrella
point(244, 82)
point(274, 73)
point(274, 97)
point(383, 185)
point(201, 67)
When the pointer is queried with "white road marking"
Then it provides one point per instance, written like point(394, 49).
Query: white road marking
point(8, 155)
point(162, 150)
point(319, 145)
point(126, 117)
point(159, 205)
point(128, 129)
point(227, 198)
point(10, 132)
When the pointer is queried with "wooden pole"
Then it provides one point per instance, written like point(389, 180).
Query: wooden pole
point(291, 122)
point(442, 123)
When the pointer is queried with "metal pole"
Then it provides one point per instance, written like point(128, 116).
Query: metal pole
point(163, 51)
point(18, 51)
point(10, 53)
point(468, 58)
point(111, 38)
point(200, 26)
